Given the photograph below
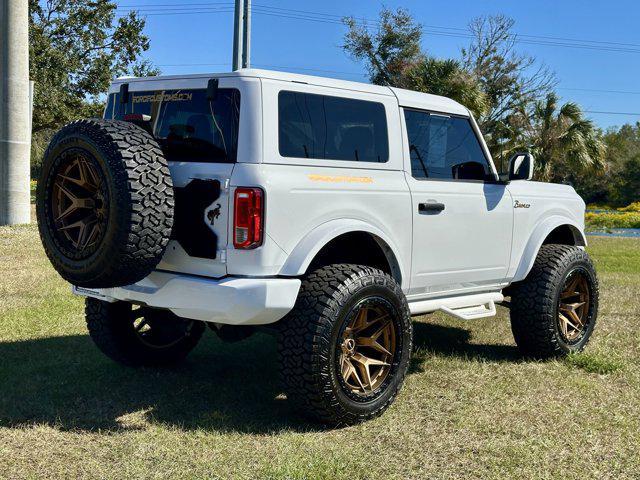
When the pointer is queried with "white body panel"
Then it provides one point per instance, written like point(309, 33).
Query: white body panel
point(175, 258)
point(233, 301)
point(550, 206)
point(461, 257)
point(467, 246)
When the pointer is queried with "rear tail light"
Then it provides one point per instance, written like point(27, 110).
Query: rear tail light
point(248, 217)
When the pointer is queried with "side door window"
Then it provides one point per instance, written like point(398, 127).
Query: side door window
point(444, 148)
point(462, 225)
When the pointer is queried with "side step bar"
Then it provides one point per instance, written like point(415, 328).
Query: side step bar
point(472, 313)
point(466, 307)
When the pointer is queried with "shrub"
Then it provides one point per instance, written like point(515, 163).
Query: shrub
point(612, 220)
point(39, 143)
point(633, 207)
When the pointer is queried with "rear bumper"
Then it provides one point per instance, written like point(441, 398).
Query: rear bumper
point(232, 300)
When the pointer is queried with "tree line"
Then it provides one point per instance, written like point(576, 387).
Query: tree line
point(77, 48)
point(512, 96)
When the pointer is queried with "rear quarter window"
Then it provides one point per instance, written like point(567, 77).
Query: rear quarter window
point(331, 128)
point(188, 126)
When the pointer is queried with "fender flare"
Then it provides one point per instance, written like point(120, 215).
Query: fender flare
point(540, 233)
point(305, 251)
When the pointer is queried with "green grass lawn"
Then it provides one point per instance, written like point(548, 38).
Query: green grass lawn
point(471, 407)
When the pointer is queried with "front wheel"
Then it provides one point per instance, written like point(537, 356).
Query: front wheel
point(554, 309)
point(140, 336)
point(345, 347)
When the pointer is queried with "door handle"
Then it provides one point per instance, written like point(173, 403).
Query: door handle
point(430, 207)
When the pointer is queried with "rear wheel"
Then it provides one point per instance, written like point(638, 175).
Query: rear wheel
point(554, 310)
point(140, 336)
point(345, 347)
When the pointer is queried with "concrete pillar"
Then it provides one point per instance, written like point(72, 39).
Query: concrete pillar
point(15, 121)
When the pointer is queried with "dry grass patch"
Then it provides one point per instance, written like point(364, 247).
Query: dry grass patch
point(471, 406)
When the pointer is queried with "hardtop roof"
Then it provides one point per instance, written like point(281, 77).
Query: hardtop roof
point(406, 98)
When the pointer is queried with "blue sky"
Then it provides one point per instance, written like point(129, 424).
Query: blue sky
point(178, 41)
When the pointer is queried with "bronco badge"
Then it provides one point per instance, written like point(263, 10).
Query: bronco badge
point(521, 205)
point(212, 215)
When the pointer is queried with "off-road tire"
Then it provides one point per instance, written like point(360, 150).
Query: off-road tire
point(139, 206)
point(308, 341)
point(111, 328)
point(535, 302)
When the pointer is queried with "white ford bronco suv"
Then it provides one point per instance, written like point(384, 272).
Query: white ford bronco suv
point(326, 211)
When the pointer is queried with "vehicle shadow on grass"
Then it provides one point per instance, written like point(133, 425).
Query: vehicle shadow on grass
point(441, 340)
point(67, 383)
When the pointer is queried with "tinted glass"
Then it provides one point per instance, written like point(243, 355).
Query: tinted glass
point(188, 126)
point(444, 148)
point(332, 128)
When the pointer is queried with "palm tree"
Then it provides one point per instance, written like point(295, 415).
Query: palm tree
point(561, 139)
point(447, 78)
point(393, 55)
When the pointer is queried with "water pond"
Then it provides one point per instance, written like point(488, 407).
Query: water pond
point(617, 232)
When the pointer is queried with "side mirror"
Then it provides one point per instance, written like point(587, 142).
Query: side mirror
point(521, 166)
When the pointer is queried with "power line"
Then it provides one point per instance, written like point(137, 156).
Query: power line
point(339, 19)
point(361, 74)
point(289, 67)
point(322, 17)
point(596, 90)
point(599, 112)
point(192, 64)
point(287, 13)
point(264, 65)
point(369, 24)
point(199, 12)
point(160, 5)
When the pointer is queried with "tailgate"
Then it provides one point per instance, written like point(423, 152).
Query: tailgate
point(199, 240)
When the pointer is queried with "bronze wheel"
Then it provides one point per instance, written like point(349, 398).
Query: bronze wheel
point(367, 349)
point(105, 203)
point(573, 306)
point(344, 349)
point(79, 204)
point(555, 308)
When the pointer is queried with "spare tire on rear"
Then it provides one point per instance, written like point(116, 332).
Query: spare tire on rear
point(105, 203)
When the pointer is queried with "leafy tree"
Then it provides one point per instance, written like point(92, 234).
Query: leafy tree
point(619, 185)
point(390, 50)
point(76, 48)
point(449, 79)
point(563, 142)
point(627, 182)
point(510, 93)
point(393, 56)
point(510, 80)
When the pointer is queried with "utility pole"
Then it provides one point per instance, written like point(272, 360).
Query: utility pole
point(15, 131)
point(246, 39)
point(238, 35)
point(242, 35)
